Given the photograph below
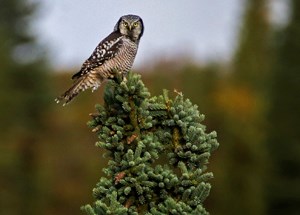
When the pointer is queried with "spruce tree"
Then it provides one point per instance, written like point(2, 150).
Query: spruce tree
point(158, 152)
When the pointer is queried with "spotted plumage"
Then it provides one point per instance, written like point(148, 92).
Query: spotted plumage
point(114, 54)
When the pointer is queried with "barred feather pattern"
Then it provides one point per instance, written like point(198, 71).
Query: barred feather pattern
point(94, 72)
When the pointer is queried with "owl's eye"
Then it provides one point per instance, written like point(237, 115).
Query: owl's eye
point(125, 24)
point(135, 24)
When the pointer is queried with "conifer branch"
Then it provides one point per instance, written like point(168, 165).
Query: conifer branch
point(138, 132)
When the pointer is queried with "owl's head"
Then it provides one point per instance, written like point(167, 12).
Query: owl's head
point(131, 26)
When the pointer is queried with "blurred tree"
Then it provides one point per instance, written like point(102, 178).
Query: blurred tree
point(284, 135)
point(251, 62)
point(23, 96)
point(241, 104)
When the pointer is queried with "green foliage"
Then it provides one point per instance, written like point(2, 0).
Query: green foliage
point(139, 133)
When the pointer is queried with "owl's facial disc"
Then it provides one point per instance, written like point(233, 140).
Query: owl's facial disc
point(131, 26)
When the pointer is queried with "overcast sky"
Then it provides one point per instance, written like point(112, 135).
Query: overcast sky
point(203, 29)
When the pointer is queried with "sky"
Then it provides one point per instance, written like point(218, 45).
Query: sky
point(202, 30)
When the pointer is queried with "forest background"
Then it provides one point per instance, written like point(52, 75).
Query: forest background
point(48, 161)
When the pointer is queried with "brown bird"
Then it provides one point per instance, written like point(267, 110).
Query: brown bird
point(116, 53)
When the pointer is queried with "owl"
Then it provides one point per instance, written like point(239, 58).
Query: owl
point(114, 54)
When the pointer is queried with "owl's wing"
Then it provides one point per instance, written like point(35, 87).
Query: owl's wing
point(107, 49)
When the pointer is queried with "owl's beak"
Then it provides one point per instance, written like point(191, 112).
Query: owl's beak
point(129, 27)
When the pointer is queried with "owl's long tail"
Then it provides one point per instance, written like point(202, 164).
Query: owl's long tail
point(80, 85)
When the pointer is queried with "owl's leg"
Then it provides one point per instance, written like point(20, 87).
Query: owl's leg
point(116, 76)
point(124, 78)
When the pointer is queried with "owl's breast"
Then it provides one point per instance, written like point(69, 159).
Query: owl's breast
point(122, 62)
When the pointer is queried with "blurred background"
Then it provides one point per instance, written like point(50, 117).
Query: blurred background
point(238, 60)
